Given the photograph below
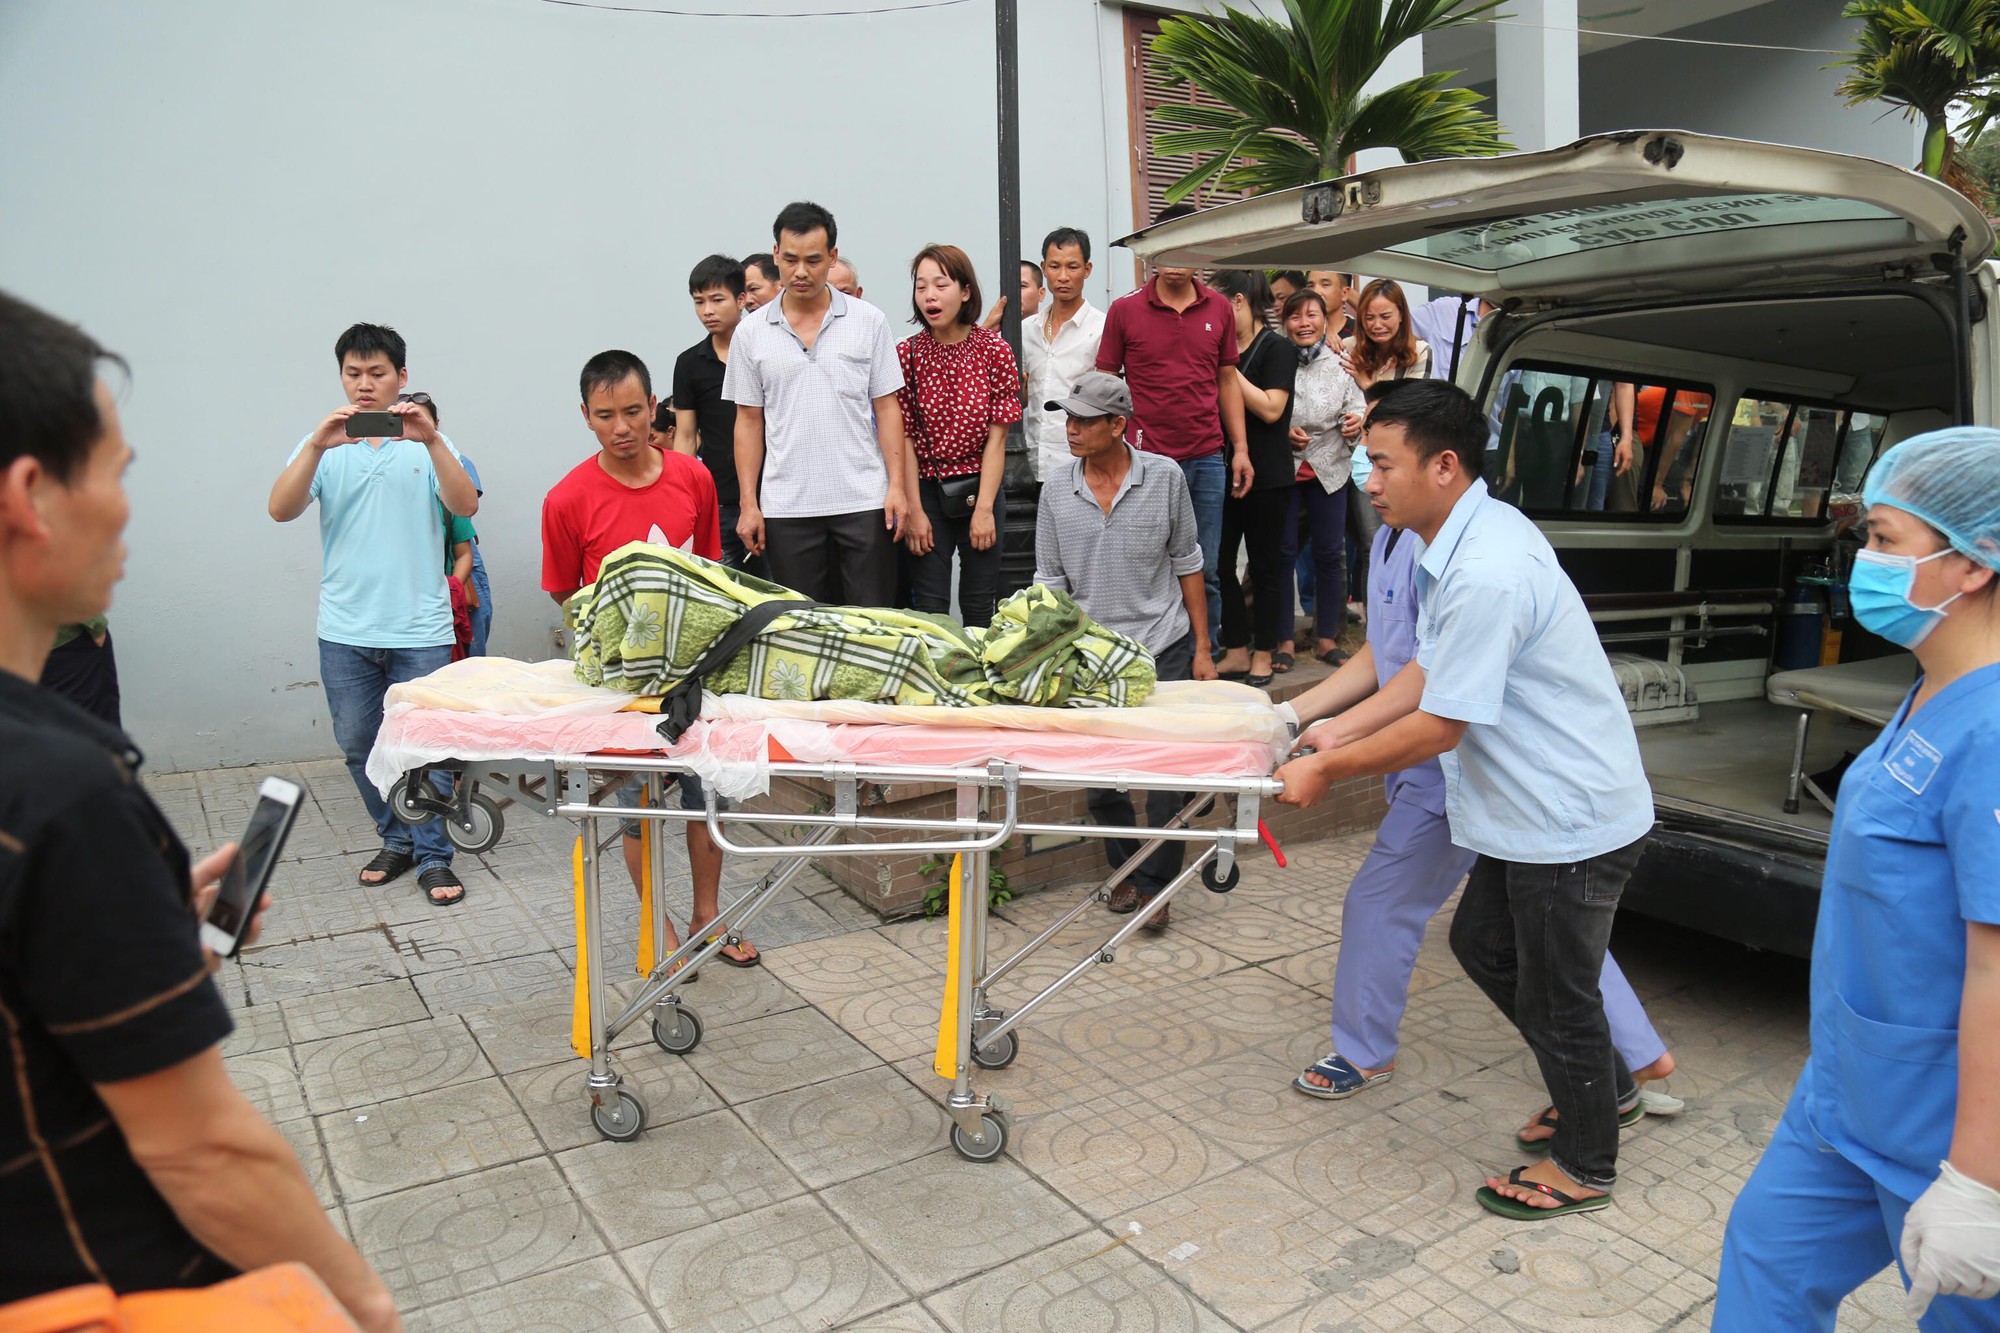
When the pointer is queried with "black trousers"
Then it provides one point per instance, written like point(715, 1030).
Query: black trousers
point(1259, 520)
point(1110, 806)
point(1533, 938)
point(843, 559)
point(978, 571)
point(87, 676)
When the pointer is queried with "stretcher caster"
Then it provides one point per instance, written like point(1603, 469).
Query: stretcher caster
point(998, 1055)
point(407, 806)
point(678, 1034)
point(1215, 883)
point(481, 828)
point(993, 1136)
point(621, 1119)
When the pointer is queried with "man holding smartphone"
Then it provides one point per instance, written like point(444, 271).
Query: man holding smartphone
point(127, 1157)
point(384, 605)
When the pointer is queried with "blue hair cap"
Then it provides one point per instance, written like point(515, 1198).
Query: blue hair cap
point(1951, 480)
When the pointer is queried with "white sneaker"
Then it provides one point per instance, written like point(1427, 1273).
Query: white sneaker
point(1655, 1102)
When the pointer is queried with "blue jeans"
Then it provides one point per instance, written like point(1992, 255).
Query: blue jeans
point(482, 615)
point(1599, 479)
point(355, 679)
point(1208, 486)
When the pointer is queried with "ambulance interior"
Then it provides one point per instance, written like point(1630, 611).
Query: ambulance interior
point(1715, 565)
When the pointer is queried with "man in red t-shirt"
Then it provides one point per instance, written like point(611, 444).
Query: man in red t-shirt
point(619, 495)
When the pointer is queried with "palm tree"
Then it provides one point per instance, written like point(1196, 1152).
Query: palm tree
point(1928, 56)
point(1293, 111)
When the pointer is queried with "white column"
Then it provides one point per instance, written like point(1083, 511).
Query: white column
point(1535, 56)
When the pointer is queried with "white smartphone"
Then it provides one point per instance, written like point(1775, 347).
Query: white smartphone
point(256, 856)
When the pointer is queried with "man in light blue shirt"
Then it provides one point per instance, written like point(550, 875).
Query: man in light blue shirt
point(1512, 693)
point(1447, 323)
point(384, 607)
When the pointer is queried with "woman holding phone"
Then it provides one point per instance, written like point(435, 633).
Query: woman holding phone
point(961, 390)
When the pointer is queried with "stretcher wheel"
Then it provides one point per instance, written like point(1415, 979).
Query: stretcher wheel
point(620, 1119)
point(483, 813)
point(681, 1035)
point(405, 806)
point(999, 1055)
point(1221, 883)
point(992, 1128)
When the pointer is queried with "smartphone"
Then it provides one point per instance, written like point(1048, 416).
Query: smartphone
point(256, 856)
point(368, 425)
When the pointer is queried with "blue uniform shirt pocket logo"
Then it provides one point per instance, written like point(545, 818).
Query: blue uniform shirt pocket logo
point(1914, 762)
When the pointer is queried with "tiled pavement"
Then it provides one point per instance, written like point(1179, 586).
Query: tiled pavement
point(1161, 1174)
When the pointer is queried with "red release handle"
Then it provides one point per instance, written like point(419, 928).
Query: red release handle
point(1277, 852)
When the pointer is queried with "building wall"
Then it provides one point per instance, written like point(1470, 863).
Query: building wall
point(1777, 96)
point(215, 188)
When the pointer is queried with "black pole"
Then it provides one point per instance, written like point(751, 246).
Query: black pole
point(1007, 66)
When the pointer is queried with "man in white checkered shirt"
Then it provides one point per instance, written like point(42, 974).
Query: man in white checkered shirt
point(1116, 531)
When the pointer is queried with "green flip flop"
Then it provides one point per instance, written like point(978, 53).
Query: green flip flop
point(1547, 1119)
point(1493, 1201)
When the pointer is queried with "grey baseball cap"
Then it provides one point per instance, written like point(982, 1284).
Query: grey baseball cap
point(1095, 394)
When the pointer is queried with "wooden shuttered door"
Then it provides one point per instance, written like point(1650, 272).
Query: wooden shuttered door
point(1147, 91)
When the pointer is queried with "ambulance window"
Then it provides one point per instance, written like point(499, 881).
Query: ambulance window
point(1556, 434)
point(1783, 458)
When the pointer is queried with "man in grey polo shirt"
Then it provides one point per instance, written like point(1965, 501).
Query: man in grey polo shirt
point(820, 457)
point(1116, 531)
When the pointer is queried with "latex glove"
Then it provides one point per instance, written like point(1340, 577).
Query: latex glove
point(1951, 1241)
point(1290, 716)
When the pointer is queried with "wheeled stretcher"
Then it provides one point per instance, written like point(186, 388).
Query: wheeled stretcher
point(1210, 740)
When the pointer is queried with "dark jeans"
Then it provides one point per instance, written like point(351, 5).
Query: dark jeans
point(844, 559)
point(1110, 806)
point(482, 615)
point(1362, 524)
point(355, 679)
point(1533, 938)
point(978, 571)
point(1208, 486)
point(1258, 519)
point(86, 675)
point(734, 553)
point(1326, 519)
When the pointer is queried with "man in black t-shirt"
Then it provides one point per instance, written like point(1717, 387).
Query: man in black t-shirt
point(705, 421)
point(127, 1157)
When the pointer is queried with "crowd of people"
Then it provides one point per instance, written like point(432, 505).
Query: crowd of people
point(1187, 423)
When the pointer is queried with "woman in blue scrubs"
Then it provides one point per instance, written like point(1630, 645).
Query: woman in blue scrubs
point(1890, 1146)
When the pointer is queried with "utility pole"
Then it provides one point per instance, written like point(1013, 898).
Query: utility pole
point(1007, 68)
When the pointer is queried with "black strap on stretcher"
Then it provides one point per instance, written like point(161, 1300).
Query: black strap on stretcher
point(682, 704)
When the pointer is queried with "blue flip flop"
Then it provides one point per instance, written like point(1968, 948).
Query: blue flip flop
point(1345, 1079)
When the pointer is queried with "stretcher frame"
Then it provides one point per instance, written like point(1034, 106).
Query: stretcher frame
point(985, 1035)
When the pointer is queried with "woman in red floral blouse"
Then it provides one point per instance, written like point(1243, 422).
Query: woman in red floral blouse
point(960, 392)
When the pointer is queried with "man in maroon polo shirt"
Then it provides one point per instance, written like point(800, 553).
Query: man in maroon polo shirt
point(1174, 341)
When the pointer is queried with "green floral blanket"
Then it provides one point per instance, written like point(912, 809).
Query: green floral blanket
point(654, 610)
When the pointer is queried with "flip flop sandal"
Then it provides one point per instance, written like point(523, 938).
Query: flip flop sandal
point(1627, 1118)
point(1333, 657)
point(1493, 1201)
point(754, 960)
point(1345, 1078)
point(391, 865)
point(1259, 681)
point(440, 877)
point(1281, 662)
point(1231, 675)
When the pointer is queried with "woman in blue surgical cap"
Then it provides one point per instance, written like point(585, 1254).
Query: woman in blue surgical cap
point(1890, 1147)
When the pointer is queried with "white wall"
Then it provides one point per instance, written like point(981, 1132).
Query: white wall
point(215, 188)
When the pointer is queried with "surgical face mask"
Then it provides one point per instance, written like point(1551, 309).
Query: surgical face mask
point(1879, 589)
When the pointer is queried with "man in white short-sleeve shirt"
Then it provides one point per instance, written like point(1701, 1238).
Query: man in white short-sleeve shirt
point(1058, 348)
point(824, 473)
point(1512, 692)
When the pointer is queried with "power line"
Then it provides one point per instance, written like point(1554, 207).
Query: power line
point(1653, 37)
point(909, 8)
